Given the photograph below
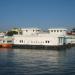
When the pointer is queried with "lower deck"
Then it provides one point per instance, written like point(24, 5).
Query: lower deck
point(41, 46)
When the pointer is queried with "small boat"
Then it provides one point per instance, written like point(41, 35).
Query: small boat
point(1, 39)
point(6, 45)
point(7, 42)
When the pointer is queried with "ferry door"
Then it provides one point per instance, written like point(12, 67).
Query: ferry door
point(61, 40)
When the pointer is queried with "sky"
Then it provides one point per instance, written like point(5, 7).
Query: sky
point(37, 13)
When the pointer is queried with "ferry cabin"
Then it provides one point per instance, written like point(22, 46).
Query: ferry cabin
point(34, 37)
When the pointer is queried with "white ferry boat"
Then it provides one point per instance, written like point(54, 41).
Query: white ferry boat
point(37, 38)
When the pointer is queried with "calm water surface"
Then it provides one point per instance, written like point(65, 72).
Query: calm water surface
point(37, 62)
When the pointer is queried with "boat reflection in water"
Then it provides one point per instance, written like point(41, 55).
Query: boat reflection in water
point(37, 62)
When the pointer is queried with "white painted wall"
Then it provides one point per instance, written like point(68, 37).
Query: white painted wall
point(30, 31)
point(36, 40)
point(37, 37)
point(57, 31)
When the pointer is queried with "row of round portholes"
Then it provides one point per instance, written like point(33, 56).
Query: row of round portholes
point(21, 41)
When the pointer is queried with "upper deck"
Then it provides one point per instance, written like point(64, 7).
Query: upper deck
point(39, 32)
point(30, 31)
point(57, 31)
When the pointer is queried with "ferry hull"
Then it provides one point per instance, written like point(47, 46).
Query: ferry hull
point(7, 45)
point(40, 47)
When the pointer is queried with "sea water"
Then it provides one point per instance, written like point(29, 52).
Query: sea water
point(37, 62)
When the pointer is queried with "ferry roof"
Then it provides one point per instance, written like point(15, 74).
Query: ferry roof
point(30, 29)
point(57, 29)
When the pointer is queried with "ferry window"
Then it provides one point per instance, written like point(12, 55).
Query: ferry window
point(51, 30)
point(21, 33)
point(40, 41)
point(9, 41)
point(3, 41)
point(26, 30)
point(60, 30)
point(33, 30)
point(31, 41)
point(20, 41)
point(54, 30)
point(37, 30)
point(57, 30)
point(47, 41)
